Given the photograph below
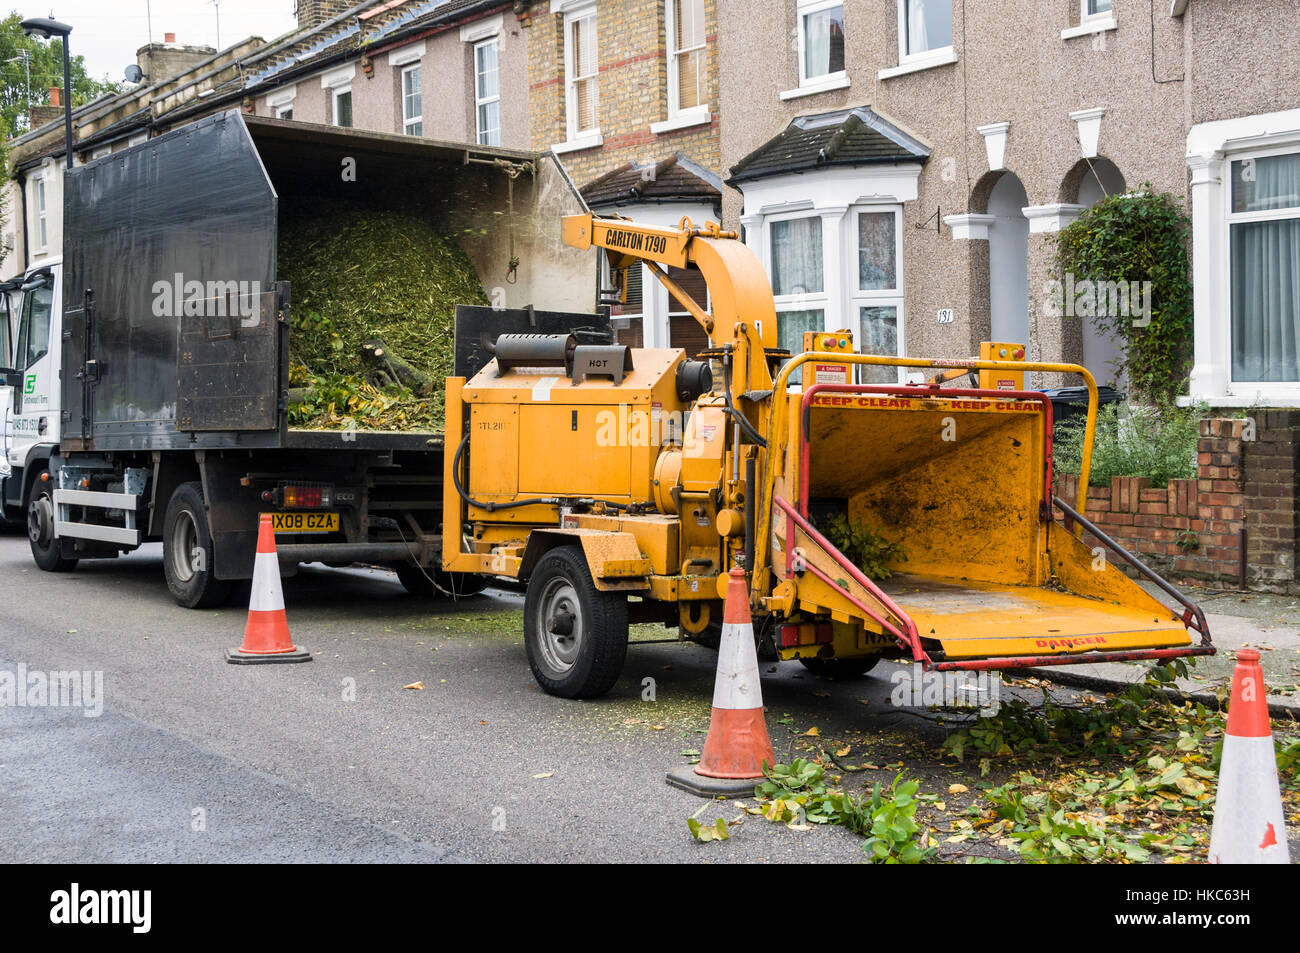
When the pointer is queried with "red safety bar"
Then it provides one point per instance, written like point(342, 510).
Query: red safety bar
point(908, 638)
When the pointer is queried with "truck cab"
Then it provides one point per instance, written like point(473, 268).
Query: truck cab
point(30, 312)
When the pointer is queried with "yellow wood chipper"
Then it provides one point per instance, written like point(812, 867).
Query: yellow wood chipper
point(621, 484)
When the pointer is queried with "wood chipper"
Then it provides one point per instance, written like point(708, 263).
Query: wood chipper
point(621, 484)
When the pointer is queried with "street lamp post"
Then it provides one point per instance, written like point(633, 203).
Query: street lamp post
point(46, 28)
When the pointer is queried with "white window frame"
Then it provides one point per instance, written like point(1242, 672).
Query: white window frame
point(1086, 13)
point(679, 118)
point(1231, 218)
point(138, 138)
point(877, 298)
point(281, 101)
point(833, 80)
point(409, 121)
point(805, 300)
point(339, 82)
point(40, 206)
point(1211, 148)
point(335, 93)
point(579, 138)
point(284, 112)
point(100, 152)
point(481, 101)
point(913, 62)
point(1091, 23)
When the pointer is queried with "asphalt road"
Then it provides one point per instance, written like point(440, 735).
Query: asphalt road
point(280, 763)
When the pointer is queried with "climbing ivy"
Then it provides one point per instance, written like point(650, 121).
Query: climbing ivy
point(1134, 238)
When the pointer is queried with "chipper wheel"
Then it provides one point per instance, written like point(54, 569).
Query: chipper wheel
point(840, 669)
point(576, 635)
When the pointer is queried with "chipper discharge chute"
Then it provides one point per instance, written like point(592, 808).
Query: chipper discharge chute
point(960, 478)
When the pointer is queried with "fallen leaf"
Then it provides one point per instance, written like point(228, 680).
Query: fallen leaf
point(957, 789)
point(844, 752)
point(813, 732)
point(415, 686)
point(658, 727)
point(540, 777)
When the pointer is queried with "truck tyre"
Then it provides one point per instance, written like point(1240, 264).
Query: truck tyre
point(40, 527)
point(460, 584)
point(840, 669)
point(188, 559)
point(575, 635)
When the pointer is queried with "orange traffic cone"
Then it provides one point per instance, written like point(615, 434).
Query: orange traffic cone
point(266, 637)
point(1248, 824)
point(737, 744)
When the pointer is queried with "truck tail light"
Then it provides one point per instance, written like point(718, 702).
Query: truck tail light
point(298, 496)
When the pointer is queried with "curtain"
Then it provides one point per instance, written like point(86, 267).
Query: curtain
point(929, 25)
point(688, 42)
point(879, 335)
point(823, 42)
point(1269, 182)
point(877, 252)
point(1266, 300)
point(790, 328)
point(797, 256)
point(583, 43)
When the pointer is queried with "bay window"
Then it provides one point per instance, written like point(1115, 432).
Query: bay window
point(1264, 267)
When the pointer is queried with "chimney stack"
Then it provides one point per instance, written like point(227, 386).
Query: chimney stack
point(56, 96)
point(169, 37)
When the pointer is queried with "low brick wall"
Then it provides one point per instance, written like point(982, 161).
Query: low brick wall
point(1247, 476)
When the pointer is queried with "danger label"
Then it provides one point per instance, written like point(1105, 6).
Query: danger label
point(830, 374)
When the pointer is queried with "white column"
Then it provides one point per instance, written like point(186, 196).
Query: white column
point(1212, 337)
point(835, 276)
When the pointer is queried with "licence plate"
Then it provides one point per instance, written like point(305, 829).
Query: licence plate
point(305, 522)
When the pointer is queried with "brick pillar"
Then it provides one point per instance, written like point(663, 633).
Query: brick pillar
point(1271, 480)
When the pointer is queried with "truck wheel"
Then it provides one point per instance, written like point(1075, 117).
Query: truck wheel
point(40, 527)
point(576, 635)
point(188, 560)
point(415, 582)
point(840, 669)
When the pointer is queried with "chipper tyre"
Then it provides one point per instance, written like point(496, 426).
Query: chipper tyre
point(188, 560)
point(40, 527)
point(840, 669)
point(576, 635)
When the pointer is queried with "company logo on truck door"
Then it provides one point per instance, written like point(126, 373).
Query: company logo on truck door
point(635, 241)
point(212, 299)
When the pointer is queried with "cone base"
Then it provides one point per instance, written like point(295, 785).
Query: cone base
point(239, 657)
point(685, 778)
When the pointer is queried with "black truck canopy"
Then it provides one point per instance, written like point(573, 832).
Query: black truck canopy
point(194, 215)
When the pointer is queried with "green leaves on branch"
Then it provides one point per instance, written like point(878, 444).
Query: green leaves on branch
point(863, 545)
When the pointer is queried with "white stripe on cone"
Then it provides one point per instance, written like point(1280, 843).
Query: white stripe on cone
point(736, 686)
point(267, 596)
point(1248, 823)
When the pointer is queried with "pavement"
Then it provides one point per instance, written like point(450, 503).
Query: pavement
point(1264, 621)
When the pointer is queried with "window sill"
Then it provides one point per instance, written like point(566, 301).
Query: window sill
point(588, 140)
point(1088, 28)
point(685, 119)
point(934, 58)
point(821, 85)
